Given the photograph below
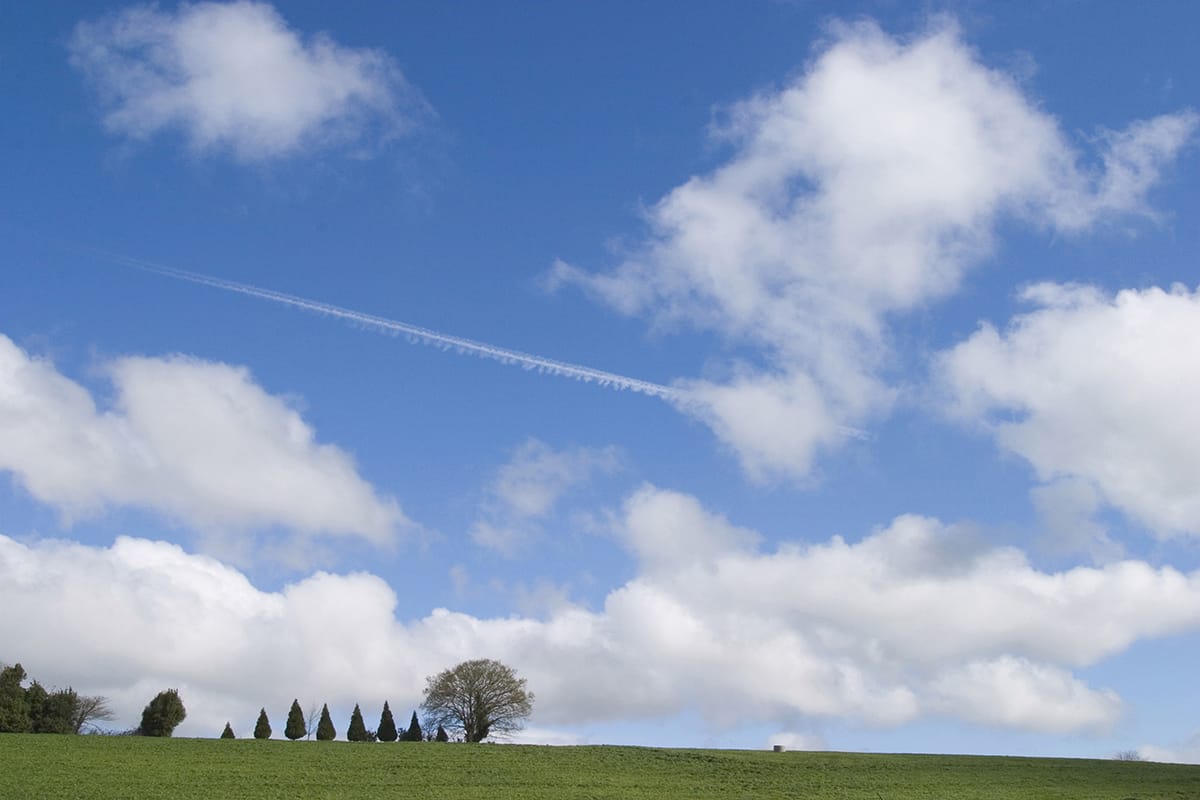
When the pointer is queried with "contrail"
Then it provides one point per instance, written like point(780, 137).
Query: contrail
point(416, 333)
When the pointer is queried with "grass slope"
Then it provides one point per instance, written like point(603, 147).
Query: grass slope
point(89, 767)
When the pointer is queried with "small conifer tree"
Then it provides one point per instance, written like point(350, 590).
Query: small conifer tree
point(357, 732)
point(262, 728)
point(387, 725)
point(358, 729)
point(413, 734)
point(295, 723)
point(325, 730)
point(442, 736)
point(228, 732)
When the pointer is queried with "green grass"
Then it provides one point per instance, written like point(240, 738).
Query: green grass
point(87, 767)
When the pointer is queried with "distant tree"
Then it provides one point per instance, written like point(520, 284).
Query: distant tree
point(162, 714)
point(36, 710)
point(295, 728)
point(479, 698)
point(325, 730)
point(387, 725)
point(1128, 755)
point(51, 712)
point(90, 709)
point(442, 736)
point(228, 732)
point(413, 734)
point(310, 722)
point(35, 699)
point(262, 728)
point(357, 732)
point(14, 713)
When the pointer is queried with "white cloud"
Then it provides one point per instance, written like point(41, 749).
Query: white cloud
point(915, 620)
point(665, 529)
point(526, 489)
point(1183, 753)
point(1068, 509)
point(1097, 389)
point(862, 189)
point(235, 76)
point(1018, 693)
point(197, 441)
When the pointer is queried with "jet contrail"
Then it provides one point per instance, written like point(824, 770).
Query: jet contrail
point(415, 333)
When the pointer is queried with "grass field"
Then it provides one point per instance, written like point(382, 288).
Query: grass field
point(86, 767)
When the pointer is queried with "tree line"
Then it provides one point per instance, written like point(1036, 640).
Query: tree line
point(474, 699)
point(35, 709)
point(301, 726)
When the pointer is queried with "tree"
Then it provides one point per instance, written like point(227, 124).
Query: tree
point(162, 714)
point(479, 698)
point(51, 712)
point(413, 734)
point(310, 722)
point(295, 728)
point(228, 732)
point(262, 728)
point(35, 701)
point(325, 730)
point(442, 736)
point(387, 725)
point(89, 709)
point(14, 713)
point(357, 732)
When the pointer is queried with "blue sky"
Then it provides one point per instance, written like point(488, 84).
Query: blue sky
point(921, 285)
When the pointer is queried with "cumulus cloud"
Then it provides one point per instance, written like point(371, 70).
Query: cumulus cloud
point(861, 190)
point(197, 441)
point(527, 488)
point(234, 76)
point(916, 619)
point(1187, 752)
point(1096, 389)
point(665, 529)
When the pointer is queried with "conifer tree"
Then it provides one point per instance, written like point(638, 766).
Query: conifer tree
point(387, 725)
point(228, 732)
point(357, 732)
point(442, 736)
point(163, 714)
point(262, 728)
point(295, 723)
point(413, 734)
point(325, 730)
point(14, 712)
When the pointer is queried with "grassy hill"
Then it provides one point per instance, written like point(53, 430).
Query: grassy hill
point(86, 767)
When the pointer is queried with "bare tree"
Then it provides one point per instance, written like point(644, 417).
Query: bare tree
point(479, 698)
point(310, 722)
point(89, 710)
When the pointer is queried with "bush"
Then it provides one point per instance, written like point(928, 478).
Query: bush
point(162, 714)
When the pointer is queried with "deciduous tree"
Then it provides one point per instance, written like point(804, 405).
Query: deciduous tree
point(91, 709)
point(480, 698)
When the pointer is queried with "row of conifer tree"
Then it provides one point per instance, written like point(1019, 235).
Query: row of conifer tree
point(298, 727)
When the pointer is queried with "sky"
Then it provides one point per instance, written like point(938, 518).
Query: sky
point(802, 373)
